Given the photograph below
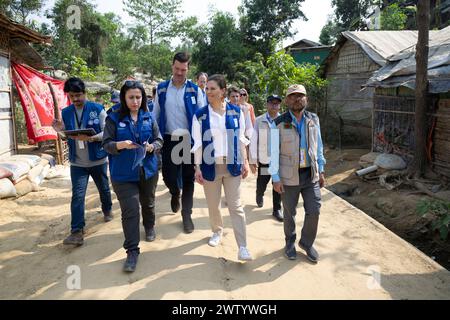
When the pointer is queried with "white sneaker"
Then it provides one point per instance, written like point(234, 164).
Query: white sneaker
point(244, 254)
point(215, 239)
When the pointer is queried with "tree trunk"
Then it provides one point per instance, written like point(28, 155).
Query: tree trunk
point(423, 22)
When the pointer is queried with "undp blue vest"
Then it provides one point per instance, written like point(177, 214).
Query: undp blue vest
point(190, 102)
point(231, 123)
point(89, 119)
point(120, 165)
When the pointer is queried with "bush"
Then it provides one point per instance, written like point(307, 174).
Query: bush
point(441, 212)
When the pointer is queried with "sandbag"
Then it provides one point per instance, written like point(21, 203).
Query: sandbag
point(35, 173)
point(57, 171)
point(32, 160)
point(18, 169)
point(5, 173)
point(50, 159)
point(24, 187)
point(44, 162)
point(36, 180)
point(7, 188)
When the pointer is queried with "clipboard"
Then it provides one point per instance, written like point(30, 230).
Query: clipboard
point(71, 133)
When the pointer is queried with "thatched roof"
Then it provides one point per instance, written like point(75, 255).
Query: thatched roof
point(18, 31)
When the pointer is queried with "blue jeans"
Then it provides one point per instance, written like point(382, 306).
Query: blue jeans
point(80, 178)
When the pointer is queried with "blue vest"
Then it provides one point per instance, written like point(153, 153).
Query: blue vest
point(89, 119)
point(113, 108)
point(120, 165)
point(190, 102)
point(231, 122)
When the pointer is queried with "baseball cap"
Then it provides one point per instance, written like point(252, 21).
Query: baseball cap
point(274, 97)
point(296, 88)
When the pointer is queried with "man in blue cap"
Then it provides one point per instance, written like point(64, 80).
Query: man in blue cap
point(260, 154)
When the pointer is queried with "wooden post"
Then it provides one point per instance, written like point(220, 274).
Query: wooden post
point(422, 48)
point(58, 142)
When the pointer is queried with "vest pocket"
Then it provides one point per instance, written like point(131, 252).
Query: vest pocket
point(287, 144)
point(286, 168)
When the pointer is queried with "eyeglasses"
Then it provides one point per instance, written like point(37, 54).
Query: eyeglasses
point(243, 94)
point(133, 83)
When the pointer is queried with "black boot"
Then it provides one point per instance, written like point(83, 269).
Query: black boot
point(188, 225)
point(150, 234)
point(175, 203)
point(131, 261)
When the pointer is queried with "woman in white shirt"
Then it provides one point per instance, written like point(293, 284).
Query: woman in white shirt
point(220, 158)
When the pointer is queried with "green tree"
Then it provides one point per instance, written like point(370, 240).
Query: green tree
point(158, 17)
point(88, 42)
point(121, 56)
point(349, 14)
point(276, 75)
point(19, 10)
point(393, 18)
point(219, 46)
point(329, 33)
point(158, 64)
point(264, 23)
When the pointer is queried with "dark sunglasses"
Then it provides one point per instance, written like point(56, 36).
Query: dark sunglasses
point(243, 94)
point(133, 83)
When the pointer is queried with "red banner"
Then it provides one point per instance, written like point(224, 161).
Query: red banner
point(37, 101)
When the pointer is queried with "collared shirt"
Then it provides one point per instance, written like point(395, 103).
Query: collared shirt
point(175, 109)
point(218, 133)
point(301, 129)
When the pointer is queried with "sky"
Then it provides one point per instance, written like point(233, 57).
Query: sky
point(316, 11)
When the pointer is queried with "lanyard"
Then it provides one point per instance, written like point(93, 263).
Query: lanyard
point(79, 121)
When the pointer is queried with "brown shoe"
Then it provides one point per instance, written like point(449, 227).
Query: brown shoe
point(75, 238)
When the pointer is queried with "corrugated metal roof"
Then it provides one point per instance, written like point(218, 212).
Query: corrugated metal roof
point(401, 69)
point(379, 45)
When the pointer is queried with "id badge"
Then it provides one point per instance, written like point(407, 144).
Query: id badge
point(236, 123)
point(80, 144)
point(193, 100)
point(302, 158)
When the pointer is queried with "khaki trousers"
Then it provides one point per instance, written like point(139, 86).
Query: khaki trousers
point(232, 188)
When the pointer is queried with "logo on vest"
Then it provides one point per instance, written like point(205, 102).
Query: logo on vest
point(122, 125)
point(93, 115)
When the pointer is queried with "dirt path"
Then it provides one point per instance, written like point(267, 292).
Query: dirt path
point(360, 259)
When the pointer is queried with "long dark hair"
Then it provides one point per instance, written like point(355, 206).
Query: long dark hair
point(128, 85)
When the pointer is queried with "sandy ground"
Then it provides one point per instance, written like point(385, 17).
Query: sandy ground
point(360, 259)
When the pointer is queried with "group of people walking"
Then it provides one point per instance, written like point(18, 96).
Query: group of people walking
point(205, 133)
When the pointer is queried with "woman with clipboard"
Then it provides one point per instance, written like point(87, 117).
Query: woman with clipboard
point(131, 138)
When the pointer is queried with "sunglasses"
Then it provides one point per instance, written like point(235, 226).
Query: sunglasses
point(243, 94)
point(133, 83)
